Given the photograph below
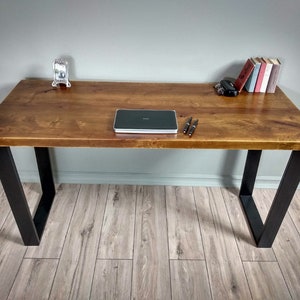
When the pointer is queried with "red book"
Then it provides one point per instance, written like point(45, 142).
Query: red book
point(260, 76)
point(244, 75)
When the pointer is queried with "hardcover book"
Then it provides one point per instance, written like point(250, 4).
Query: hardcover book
point(244, 75)
point(250, 84)
point(274, 75)
point(266, 76)
point(260, 75)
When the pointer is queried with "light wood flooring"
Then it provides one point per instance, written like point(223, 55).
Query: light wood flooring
point(148, 242)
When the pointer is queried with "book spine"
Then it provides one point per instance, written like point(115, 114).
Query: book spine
point(260, 76)
point(273, 77)
point(267, 74)
point(250, 84)
point(244, 75)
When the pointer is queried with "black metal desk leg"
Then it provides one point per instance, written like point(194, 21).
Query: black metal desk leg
point(251, 167)
point(16, 197)
point(247, 186)
point(282, 200)
point(31, 229)
point(48, 188)
point(264, 234)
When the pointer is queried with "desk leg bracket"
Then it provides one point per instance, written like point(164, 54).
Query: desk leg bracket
point(264, 234)
point(31, 228)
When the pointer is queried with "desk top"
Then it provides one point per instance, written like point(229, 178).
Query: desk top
point(36, 114)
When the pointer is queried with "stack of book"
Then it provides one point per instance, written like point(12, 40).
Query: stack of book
point(259, 75)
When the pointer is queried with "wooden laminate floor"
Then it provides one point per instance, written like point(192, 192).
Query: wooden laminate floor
point(148, 242)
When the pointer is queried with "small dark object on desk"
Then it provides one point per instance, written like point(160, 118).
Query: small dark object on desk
point(226, 88)
point(187, 125)
point(193, 128)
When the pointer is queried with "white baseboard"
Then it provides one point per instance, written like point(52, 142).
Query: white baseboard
point(151, 179)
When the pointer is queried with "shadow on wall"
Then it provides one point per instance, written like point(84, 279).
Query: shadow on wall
point(230, 163)
point(229, 71)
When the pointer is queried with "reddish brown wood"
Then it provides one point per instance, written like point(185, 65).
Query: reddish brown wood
point(35, 114)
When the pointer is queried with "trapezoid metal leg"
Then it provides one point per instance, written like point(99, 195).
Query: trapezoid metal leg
point(15, 195)
point(31, 228)
point(247, 186)
point(284, 196)
point(265, 233)
point(48, 189)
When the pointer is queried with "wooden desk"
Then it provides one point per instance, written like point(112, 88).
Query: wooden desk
point(38, 115)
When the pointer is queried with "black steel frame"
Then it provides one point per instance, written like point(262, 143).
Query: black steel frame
point(264, 234)
point(31, 228)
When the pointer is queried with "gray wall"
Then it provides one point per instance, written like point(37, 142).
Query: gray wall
point(161, 41)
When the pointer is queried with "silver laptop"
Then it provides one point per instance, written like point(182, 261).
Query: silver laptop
point(145, 121)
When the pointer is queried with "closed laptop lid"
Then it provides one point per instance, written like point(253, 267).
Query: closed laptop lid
point(145, 121)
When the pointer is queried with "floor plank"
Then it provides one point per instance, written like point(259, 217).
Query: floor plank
point(76, 266)
point(112, 280)
point(286, 245)
point(294, 211)
point(118, 225)
point(266, 281)
point(12, 249)
point(151, 273)
point(246, 244)
point(189, 280)
point(57, 224)
point(34, 279)
point(183, 227)
point(225, 269)
point(4, 206)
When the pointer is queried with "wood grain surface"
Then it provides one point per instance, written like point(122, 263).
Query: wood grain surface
point(224, 272)
point(36, 114)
